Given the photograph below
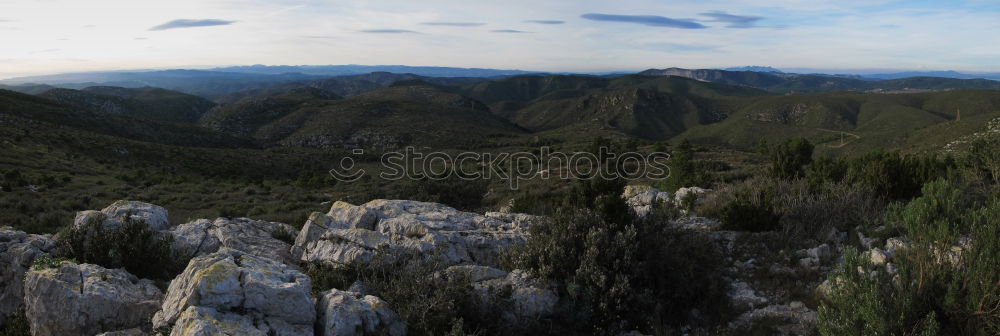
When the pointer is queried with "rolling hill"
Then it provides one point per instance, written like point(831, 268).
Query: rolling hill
point(396, 116)
point(148, 103)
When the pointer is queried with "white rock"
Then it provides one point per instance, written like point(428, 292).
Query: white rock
point(112, 216)
point(407, 227)
point(18, 251)
point(274, 296)
point(88, 299)
point(342, 313)
point(877, 256)
point(531, 297)
point(203, 236)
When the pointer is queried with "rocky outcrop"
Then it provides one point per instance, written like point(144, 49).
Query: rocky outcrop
point(789, 319)
point(234, 292)
point(112, 216)
point(255, 237)
point(349, 233)
point(85, 299)
point(18, 251)
point(642, 198)
point(343, 313)
point(531, 298)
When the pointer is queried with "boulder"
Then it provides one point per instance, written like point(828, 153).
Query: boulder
point(698, 193)
point(343, 313)
point(642, 198)
point(255, 237)
point(273, 297)
point(531, 298)
point(126, 332)
point(18, 251)
point(85, 299)
point(112, 216)
point(877, 256)
point(402, 226)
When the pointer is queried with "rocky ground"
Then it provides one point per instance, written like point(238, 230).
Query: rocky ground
point(245, 276)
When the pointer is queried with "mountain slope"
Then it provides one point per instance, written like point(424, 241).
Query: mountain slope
point(148, 103)
point(390, 117)
point(811, 83)
point(21, 108)
point(855, 122)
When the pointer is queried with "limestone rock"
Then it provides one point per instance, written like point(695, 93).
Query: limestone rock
point(531, 298)
point(126, 332)
point(18, 251)
point(87, 299)
point(203, 236)
point(402, 226)
point(343, 313)
point(272, 296)
point(112, 216)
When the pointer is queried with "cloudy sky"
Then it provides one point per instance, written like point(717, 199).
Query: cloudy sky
point(50, 36)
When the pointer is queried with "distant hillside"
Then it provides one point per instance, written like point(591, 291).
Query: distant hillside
point(754, 68)
point(856, 122)
point(22, 108)
point(811, 83)
point(203, 83)
point(396, 116)
point(340, 70)
point(147, 103)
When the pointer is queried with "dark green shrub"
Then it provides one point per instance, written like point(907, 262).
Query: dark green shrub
point(16, 325)
point(132, 246)
point(983, 158)
point(614, 277)
point(936, 289)
point(430, 304)
point(789, 157)
point(283, 235)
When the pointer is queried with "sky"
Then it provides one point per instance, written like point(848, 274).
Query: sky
point(56, 36)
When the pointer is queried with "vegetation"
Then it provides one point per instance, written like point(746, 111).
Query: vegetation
point(133, 246)
point(16, 325)
point(413, 286)
point(940, 284)
point(617, 273)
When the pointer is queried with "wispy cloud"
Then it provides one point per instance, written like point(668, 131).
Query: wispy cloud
point(734, 21)
point(510, 31)
point(548, 22)
point(679, 47)
point(454, 24)
point(388, 31)
point(187, 23)
point(649, 20)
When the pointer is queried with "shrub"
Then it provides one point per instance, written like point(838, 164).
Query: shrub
point(983, 158)
point(789, 157)
point(16, 325)
point(614, 277)
point(132, 246)
point(410, 284)
point(283, 235)
point(932, 291)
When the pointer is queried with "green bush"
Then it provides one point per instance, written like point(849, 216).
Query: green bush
point(410, 284)
point(16, 325)
point(789, 157)
point(132, 246)
point(936, 289)
point(983, 158)
point(615, 277)
point(283, 235)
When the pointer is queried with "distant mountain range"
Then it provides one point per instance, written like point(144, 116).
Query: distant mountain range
point(221, 84)
point(806, 83)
